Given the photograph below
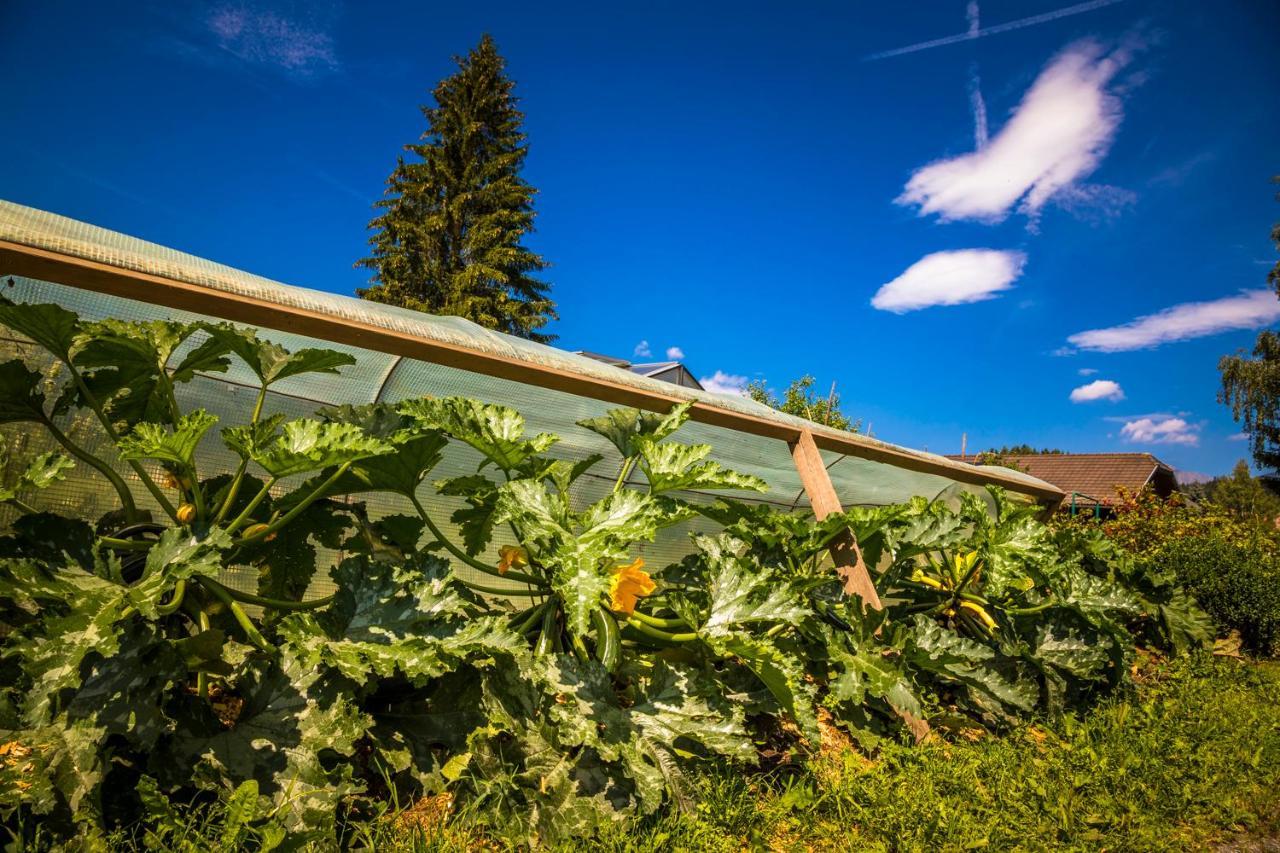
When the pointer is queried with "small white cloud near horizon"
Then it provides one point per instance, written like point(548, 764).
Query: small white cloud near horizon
point(1250, 309)
point(1161, 431)
point(642, 350)
point(725, 383)
point(675, 353)
point(1099, 389)
point(1087, 371)
point(951, 278)
point(1057, 136)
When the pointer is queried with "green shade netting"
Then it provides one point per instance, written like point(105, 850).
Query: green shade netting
point(378, 376)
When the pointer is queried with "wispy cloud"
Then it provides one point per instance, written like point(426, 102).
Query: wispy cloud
point(1166, 431)
point(976, 32)
point(675, 353)
point(1250, 309)
point(298, 45)
point(1057, 136)
point(642, 350)
point(1087, 371)
point(1238, 436)
point(951, 278)
point(725, 383)
point(1099, 389)
point(979, 108)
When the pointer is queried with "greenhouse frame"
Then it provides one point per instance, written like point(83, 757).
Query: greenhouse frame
point(402, 353)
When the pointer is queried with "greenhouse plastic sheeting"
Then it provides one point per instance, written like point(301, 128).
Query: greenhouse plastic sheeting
point(378, 376)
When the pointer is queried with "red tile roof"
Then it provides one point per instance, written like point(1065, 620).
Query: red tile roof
point(1095, 475)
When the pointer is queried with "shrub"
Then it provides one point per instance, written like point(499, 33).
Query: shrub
point(1237, 583)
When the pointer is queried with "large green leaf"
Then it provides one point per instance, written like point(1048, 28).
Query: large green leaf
point(740, 592)
point(627, 429)
point(271, 362)
point(386, 620)
point(176, 447)
point(671, 466)
point(303, 446)
point(994, 685)
point(180, 554)
point(63, 766)
point(20, 396)
point(781, 673)
point(496, 431)
point(292, 717)
point(43, 471)
point(477, 519)
point(125, 366)
point(51, 326)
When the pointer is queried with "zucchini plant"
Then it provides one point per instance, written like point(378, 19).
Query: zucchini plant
point(566, 681)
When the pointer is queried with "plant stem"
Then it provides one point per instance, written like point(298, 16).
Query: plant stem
point(125, 544)
point(1027, 611)
point(251, 506)
point(493, 590)
point(274, 603)
point(467, 558)
point(251, 631)
point(297, 510)
point(114, 435)
point(660, 635)
point(658, 622)
point(98, 464)
point(179, 591)
point(627, 464)
point(202, 680)
point(234, 488)
point(22, 505)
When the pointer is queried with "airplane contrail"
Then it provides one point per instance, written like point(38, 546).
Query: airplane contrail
point(971, 34)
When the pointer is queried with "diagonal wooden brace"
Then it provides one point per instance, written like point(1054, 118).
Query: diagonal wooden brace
point(822, 497)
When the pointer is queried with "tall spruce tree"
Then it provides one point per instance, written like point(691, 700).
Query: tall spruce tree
point(448, 238)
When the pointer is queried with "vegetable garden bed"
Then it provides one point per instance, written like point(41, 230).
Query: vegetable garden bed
point(568, 685)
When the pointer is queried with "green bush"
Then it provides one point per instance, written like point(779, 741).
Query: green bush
point(1236, 582)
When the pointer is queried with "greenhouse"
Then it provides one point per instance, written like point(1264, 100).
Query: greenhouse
point(403, 354)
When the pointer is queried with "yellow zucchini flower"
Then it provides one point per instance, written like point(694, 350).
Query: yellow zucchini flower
point(512, 556)
point(629, 584)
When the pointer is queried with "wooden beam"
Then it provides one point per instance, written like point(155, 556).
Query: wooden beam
point(45, 265)
point(824, 500)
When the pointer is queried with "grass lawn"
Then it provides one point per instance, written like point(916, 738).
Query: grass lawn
point(1189, 760)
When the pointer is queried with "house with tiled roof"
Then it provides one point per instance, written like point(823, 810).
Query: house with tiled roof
point(1091, 480)
point(666, 371)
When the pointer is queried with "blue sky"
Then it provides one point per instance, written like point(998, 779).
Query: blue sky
point(963, 236)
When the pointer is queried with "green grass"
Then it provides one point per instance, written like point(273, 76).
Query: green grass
point(1191, 759)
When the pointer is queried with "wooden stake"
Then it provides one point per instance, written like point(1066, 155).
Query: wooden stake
point(824, 500)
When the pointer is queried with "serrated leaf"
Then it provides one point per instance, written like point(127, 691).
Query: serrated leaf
point(497, 432)
point(742, 593)
point(670, 466)
point(385, 620)
point(271, 362)
point(179, 554)
point(782, 674)
point(51, 326)
point(476, 520)
point(303, 446)
point(627, 428)
point(932, 648)
point(43, 471)
point(291, 716)
point(176, 447)
point(20, 396)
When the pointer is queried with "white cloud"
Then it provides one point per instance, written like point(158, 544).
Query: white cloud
point(675, 353)
point(1087, 371)
point(951, 278)
point(1099, 389)
point(642, 350)
point(725, 383)
point(297, 44)
point(1238, 436)
point(1250, 309)
point(1058, 135)
point(1166, 431)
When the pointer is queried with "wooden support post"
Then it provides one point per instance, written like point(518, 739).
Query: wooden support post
point(824, 500)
